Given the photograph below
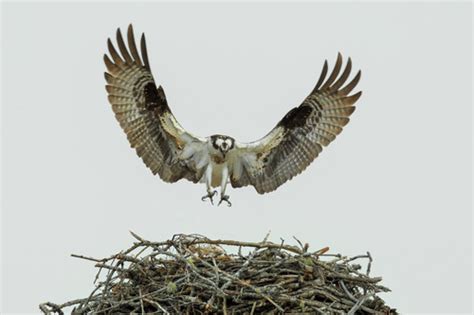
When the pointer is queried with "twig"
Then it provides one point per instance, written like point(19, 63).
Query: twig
point(359, 303)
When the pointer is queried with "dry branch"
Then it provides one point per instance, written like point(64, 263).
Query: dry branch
point(191, 274)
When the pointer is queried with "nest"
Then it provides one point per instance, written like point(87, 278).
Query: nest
point(191, 274)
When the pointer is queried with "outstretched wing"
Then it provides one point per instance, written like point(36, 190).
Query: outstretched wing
point(144, 115)
point(300, 136)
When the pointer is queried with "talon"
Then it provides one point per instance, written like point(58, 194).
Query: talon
point(226, 199)
point(209, 196)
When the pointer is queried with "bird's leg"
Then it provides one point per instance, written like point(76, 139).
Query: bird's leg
point(210, 192)
point(210, 195)
point(225, 180)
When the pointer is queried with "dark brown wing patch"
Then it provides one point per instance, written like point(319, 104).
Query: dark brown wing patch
point(155, 98)
point(296, 117)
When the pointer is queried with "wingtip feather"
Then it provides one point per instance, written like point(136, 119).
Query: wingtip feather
point(345, 74)
point(349, 100)
point(111, 67)
point(144, 52)
point(334, 73)
point(122, 47)
point(322, 76)
point(351, 85)
point(132, 46)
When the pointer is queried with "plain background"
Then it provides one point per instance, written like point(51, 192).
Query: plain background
point(396, 182)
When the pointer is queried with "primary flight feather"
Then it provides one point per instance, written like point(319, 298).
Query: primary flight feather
point(173, 153)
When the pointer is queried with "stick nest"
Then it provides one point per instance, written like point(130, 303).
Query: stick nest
point(191, 274)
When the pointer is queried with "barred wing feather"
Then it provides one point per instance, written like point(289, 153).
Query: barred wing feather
point(143, 113)
point(300, 136)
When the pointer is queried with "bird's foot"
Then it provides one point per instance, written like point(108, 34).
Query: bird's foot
point(209, 196)
point(226, 199)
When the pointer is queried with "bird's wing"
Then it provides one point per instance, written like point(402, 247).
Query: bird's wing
point(300, 136)
point(143, 113)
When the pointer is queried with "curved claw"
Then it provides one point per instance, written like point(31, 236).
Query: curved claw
point(226, 199)
point(209, 196)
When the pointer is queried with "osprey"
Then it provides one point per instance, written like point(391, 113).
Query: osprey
point(173, 153)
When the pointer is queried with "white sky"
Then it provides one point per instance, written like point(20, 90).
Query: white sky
point(396, 182)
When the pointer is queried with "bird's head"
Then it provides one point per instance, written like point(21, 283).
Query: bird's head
point(222, 143)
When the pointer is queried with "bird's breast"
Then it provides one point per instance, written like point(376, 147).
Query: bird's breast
point(217, 172)
point(218, 159)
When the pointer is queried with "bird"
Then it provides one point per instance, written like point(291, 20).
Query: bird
point(174, 153)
